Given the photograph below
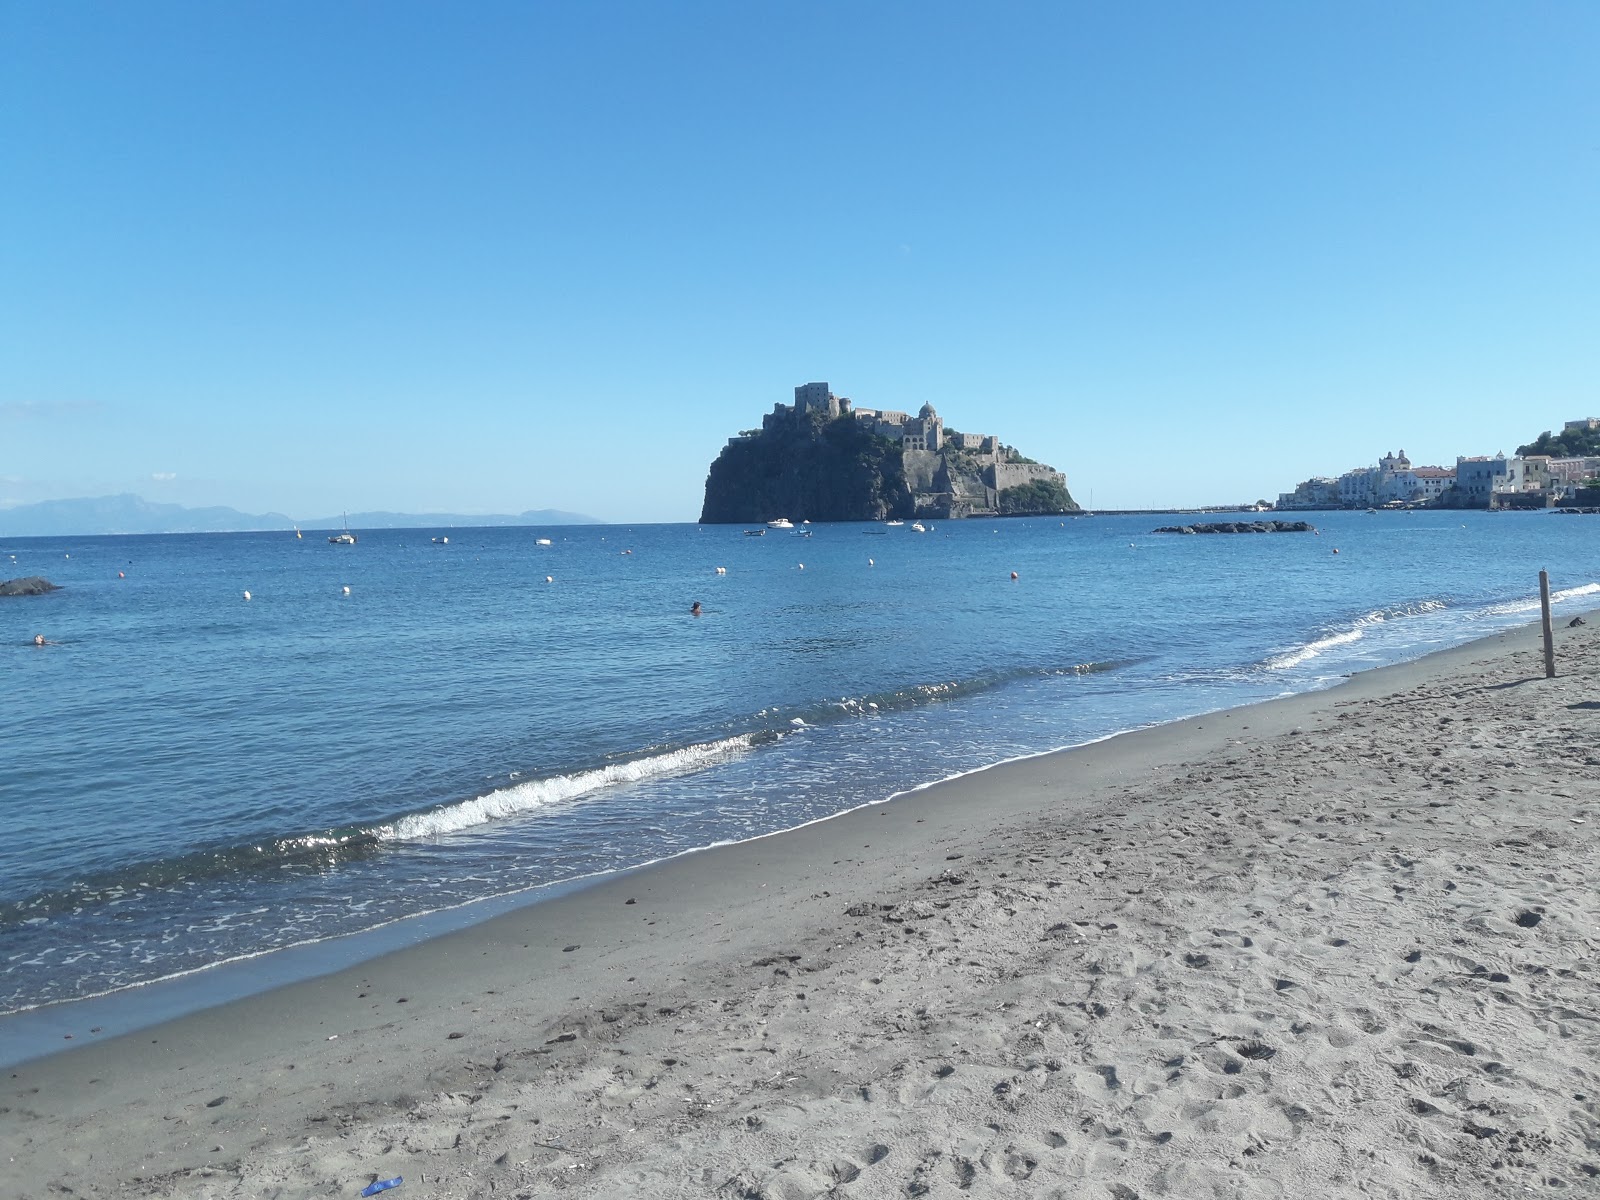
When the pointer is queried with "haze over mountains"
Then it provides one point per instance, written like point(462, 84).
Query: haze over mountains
point(128, 513)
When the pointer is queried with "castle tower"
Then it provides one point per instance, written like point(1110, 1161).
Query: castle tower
point(815, 397)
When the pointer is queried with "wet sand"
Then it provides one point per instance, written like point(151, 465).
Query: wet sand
point(1334, 945)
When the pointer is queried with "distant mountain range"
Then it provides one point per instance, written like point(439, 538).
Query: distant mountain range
point(128, 513)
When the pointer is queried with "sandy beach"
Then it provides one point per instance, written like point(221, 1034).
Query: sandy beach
point(1336, 945)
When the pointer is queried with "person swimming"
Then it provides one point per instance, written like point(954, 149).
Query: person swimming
point(694, 609)
point(40, 640)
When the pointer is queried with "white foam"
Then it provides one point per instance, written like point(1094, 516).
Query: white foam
point(538, 793)
point(1531, 604)
point(1344, 637)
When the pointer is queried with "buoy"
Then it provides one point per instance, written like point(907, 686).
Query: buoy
point(549, 578)
point(120, 575)
point(347, 590)
point(802, 566)
point(247, 595)
point(1013, 574)
point(871, 563)
point(1336, 549)
point(722, 570)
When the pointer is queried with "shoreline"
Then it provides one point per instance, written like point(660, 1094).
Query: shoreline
point(30, 1034)
point(525, 1010)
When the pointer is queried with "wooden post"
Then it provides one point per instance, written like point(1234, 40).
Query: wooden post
point(1549, 634)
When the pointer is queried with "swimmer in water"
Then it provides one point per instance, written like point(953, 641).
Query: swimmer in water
point(40, 640)
point(694, 609)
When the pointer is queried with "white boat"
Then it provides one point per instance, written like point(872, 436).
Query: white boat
point(894, 522)
point(918, 527)
point(346, 538)
point(781, 523)
point(441, 541)
point(541, 541)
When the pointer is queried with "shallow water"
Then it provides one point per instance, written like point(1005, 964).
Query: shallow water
point(192, 777)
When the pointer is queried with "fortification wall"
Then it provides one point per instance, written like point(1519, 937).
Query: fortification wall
point(1010, 475)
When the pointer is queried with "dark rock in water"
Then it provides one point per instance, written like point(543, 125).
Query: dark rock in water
point(29, 585)
point(1242, 527)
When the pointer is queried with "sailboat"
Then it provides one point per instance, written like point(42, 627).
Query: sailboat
point(346, 538)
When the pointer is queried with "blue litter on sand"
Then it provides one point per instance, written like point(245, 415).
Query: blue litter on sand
point(383, 1185)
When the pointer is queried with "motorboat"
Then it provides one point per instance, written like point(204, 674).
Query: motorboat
point(441, 541)
point(918, 527)
point(755, 533)
point(892, 523)
point(541, 541)
point(781, 523)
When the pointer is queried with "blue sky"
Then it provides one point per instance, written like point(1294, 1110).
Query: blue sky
point(314, 257)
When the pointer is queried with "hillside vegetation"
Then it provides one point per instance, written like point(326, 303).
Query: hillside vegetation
point(1569, 443)
point(807, 467)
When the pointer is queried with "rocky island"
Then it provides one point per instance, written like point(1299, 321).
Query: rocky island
point(28, 585)
point(823, 459)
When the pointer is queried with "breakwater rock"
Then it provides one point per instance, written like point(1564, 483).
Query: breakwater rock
point(28, 585)
point(1242, 527)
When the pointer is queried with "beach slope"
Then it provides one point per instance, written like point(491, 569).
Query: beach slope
point(1337, 945)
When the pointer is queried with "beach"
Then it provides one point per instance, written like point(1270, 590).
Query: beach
point(1337, 944)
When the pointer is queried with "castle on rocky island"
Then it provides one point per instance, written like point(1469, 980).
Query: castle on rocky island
point(823, 458)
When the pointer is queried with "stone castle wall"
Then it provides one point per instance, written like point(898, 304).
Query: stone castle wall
point(1010, 475)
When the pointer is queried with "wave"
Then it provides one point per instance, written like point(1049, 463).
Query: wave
point(1353, 632)
point(540, 793)
point(1531, 604)
point(1359, 628)
point(324, 850)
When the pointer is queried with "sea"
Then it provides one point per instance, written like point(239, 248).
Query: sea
point(246, 758)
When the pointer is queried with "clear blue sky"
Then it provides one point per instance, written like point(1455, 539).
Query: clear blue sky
point(309, 257)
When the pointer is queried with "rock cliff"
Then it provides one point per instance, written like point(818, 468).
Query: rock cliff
point(806, 466)
point(817, 467)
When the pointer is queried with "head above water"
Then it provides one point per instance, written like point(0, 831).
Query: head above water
point(694, 609)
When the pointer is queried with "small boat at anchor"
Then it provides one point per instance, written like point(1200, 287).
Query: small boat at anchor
point(346, 538)
point(781, 523)
point(755, 533)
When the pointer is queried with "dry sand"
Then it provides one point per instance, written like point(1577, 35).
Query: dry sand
point(1333, 946)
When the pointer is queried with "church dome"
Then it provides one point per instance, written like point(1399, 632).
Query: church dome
point(926, 411)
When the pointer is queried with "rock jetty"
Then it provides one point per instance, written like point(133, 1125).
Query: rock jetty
point(28, 585)
point(1242, 527)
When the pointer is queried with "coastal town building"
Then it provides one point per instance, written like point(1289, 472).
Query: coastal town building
point(1393, 481)
point(1479, 477)
point(1476, 481)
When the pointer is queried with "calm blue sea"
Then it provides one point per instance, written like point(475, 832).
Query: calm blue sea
point(399, 726)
